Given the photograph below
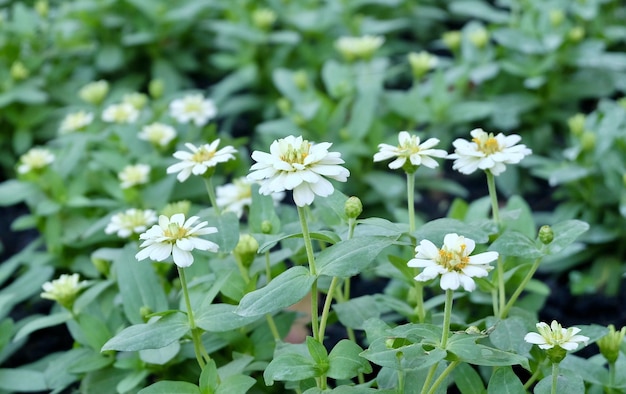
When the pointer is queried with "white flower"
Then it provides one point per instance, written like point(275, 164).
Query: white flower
point(137, 100)
point(176, 237)
point(120, 113)
point(64, 289)
point(298, 165)
point(422, 62)
point(409, 147)
point(200, 158)
point(157, 133)
point(35, 159)
point(234, 197)
point(75, 121)
point(193, 107)
point(134, 175)
point(94, 92)
point(487, 152)
point(359, 47)
point(131, 221)
point(453, 262)
point(555, 335)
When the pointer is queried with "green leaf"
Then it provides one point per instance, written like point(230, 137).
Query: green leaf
point(508, 335)
point(505, 381)
point(169, 387)
point(356, 311)
point(290, 367)
point(235, 384)
point(42, 322)
point(566, 383)
point(405, 355)
point(222, 318)
point(465, 348)
point(139, 285)
point(262, 210)
point(475, 9)
point(514, 243)
point(565, 233)
point(227, 225)
point(318, 353)
point(351, 257)
point(346, 362)
point(14, 191)
point(89, 361)
point(160, 356)
point(150, 336)
point(285, 290)
point(467, 380)
point(209, 378)
point(525, 223)
point(95, 331)
point(22, 380)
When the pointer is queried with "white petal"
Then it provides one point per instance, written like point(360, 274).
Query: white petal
point(160, 251)
point(303, 195)
point(182, 258)
point(534, 338)
point(450, 281)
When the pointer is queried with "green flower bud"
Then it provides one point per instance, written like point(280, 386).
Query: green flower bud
point(19, 71)
point(156, 88)
point(246, 249)
point(353, 207)
point(473, 330)
point(452, 39)
point(546, 234)
point(556, 17)
point(263, 18)
point(301, 79)
point(137, 100)
point(576, 34)
point(624, 179)
point(479, 37)
point(284, 106)
point(577, 124)
point(103, 266)
point(144, 311)
point(176, 207)
point(588, 140)
point(610, 343)
point(266, 227)
point(94, 92)
point(42, 8)
point(421, 63)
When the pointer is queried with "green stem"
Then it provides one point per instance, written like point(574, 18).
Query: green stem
point(272, 325)
point(555, 377)
point(443, 376)
point(198, 346)
point(308, 245)
point(419, 304)
point(326, 310)
point(429, 378)
point(611, 377)
point(447, 313)
point(533, 377)
point(410, 199)
point(519, 289)
point(501, 286)
point(211, 190)
point(268, 267)
point(401, 376)
point(495, 210)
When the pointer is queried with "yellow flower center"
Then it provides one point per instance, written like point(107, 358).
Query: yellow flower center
point(203, 155)
point(294, 155)
point(193, 106)
point(453, 260)
point(487, 144)
point(175, 232)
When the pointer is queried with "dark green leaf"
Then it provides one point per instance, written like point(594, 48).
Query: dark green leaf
point(170, 387)
point(505, 381)
point(22, 380)
point(467, 380)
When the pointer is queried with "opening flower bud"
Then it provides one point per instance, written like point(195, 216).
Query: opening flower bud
point(610, 343)
point(353, 207)
point(246, 249)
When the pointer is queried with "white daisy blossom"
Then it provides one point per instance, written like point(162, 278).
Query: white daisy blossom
point(359, 47)
point(234, 197)
point(193, 107)
point(298, 165)
point(157, 133)
point(131, 221)
point(120, 113)
point(487, 152)
point(176, 237)
point(409, 147)
point(64, 289)
point(134, 175)
point(198, 161)
point(555, 335)
point(453, 262)
point(75, 121)
point(35, 159)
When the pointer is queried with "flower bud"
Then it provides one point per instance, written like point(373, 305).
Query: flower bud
point(301, 79)
point(263, 18)
point(622, 102)
point(452, 39)
point(103, 266)
point(176, 207)
point(479, 37)
point(246, 249)
point(473, 330)
point(546, 234)
point(19, 71)
point(156, 88)
point(42, 8)
point(144, 311)
point(353, 48)
point(556, 17)
point(266, 227)
point(624, 179)
point(137, 100)
point(576, 34)
point(63, 290)
point(284, 106)
point(353, 207)
point(421, 63)
point(588, 140)
point(610, 343)
point(577, 124)
point(94, 92)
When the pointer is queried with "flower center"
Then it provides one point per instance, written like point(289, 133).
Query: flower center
point(203, 155)
point(175, 232)
point(453, 260)
point(409, 147)
point(487, 144)
point(193, 107)
point(293, 155)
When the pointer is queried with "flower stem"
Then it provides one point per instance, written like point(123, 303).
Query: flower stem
point(326, 310)
point(519, 289)
point(447, 313)
point(495, 210)
point(311, 258)
point(198, 346)
point(208, 182)
point(555, 377)
point(534, 376)
point(429, 378)
point(443, 376)
point(419, 286)
point(273, 328)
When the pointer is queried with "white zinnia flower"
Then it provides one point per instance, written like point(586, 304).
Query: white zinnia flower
point(157, 133)
point(131, 221)
point(193, 107)
point(234, 197)
point(120, 113)
point(35, 159)
point(64, 289)
point(134, 175)
point(487, 152)
point(359, 47)
point(409, 147)
point(75, 121)
point(453, 262)
point(555, 335)
point(298, 165)
point(200, 158)
point(176, 237)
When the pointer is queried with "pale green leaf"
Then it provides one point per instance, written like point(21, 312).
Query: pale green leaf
point(153, 335)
